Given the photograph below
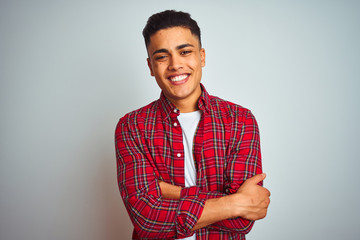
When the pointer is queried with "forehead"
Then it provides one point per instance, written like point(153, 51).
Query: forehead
point(171, 37)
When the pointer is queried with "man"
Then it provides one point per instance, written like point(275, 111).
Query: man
point(189, 164)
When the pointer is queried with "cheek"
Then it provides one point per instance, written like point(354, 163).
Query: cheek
point(196, 64)
point(159, 67)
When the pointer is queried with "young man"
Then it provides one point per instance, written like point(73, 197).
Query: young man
point(189, 164)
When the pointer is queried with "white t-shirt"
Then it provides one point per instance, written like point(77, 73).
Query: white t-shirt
point(189, 123)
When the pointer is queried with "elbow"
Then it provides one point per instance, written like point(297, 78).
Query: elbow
point(152, 234)
point(247, 227)
point(142, 234)
point(147, 228)
point(239, 225)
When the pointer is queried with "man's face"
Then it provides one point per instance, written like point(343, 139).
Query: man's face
point(176, 61)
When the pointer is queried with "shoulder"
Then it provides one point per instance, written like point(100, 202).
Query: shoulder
point(139, 116)
point(238, 119)
point(228, 109)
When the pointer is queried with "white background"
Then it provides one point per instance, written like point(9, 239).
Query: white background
point(70, 69)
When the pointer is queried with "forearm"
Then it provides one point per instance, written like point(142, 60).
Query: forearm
point(145, 211)
point(215, 210)
point(169, 191)
point(234, 212)
point(156, 217)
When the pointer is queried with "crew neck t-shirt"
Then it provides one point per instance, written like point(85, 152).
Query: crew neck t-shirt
point(189, 122)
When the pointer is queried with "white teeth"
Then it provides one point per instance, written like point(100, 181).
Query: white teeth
point(178, 78)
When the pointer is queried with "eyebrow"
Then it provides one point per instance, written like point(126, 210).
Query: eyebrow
point(163, 50)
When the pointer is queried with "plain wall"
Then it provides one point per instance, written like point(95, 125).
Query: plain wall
point(70, 69)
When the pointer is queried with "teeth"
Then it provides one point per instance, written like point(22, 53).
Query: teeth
point(178, 78)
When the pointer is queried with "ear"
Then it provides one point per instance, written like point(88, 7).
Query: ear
point(202, 57)
point(150, 66)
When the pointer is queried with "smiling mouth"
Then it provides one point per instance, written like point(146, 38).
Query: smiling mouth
point(178, 78)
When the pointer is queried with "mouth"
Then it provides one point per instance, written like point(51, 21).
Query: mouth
point(178, 78)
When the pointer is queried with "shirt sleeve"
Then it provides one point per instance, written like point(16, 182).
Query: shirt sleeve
point(243, 163)
point(152, 216)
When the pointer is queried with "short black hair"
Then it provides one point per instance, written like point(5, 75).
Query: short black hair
point(168, 19)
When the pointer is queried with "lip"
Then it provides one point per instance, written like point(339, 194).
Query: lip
point(180, 81)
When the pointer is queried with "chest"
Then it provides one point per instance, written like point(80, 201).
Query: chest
point(211, 146)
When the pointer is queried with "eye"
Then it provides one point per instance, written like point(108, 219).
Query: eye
point(185, 52)
point(160, 57)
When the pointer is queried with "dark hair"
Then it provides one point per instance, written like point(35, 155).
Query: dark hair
point(168, 19)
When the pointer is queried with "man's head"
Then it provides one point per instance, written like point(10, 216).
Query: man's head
point(175, 57)
point(169, 19)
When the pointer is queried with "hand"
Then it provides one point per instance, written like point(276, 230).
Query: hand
point(251, 201)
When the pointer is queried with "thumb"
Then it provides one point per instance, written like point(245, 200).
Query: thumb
point(257, 178)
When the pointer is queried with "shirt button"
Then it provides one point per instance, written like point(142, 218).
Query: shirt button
point(175, 110)
point(175, 124)
point(179, 154)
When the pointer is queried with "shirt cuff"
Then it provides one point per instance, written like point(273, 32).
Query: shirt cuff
point(189, 211)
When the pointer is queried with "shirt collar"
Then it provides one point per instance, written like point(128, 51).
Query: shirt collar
point(169, 110)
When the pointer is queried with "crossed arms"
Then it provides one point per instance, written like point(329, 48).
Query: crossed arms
point(249, 202)
point(158, 209)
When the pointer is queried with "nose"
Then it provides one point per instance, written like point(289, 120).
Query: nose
point(175, 63)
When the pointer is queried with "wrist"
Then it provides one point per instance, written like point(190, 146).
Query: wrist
point(234, 205)
point(170, 191)
point(215, 210)
point(228, 206)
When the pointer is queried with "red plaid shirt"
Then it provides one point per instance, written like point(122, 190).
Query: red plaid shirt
point(149, 148)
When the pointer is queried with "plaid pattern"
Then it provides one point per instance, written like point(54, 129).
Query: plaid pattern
point(149, 148)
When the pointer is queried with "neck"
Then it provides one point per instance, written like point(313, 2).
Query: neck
point(186, 105)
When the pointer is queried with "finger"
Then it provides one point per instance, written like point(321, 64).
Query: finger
point(269, 193)
point(257, 178)
point(265, 191)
